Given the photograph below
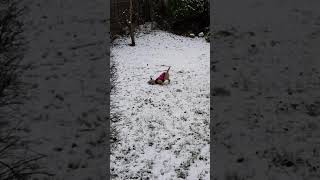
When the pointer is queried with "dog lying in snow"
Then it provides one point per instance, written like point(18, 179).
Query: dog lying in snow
point(161, 79)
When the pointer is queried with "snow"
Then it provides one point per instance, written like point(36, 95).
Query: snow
point(163, 130)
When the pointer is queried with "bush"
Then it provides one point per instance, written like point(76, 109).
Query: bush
point(188, 9)
point(11, 53)
point(16, 160)
point(182, 16)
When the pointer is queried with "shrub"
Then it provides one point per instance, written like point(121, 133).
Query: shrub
point(16, 160)
point(187, 15)
point(188, 9)
point(11, 52)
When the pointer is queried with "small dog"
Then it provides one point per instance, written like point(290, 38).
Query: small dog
point(161, 79)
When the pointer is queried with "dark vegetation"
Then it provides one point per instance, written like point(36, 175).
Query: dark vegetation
point(114, 116)
point(127, 19)
point(182, 16)
point(16, 160)
point(11, 52)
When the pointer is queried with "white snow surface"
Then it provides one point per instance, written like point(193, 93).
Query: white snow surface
point(163, 130)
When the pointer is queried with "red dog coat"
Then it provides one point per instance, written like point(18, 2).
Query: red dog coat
point(161, 77)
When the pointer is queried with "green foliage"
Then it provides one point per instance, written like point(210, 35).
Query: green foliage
point(184, 16)
point(188, 9)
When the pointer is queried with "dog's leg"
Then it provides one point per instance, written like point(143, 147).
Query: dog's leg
point(159, 82)
point(166, 76)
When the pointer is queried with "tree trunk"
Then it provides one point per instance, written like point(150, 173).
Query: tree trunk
point(131, 27)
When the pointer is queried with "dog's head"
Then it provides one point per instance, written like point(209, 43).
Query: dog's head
point(151, 82)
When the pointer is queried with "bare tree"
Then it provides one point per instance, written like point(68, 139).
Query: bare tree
point(131, 24)
point(127, 20)
point(17, 162)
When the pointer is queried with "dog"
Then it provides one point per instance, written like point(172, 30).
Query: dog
point(161, 79)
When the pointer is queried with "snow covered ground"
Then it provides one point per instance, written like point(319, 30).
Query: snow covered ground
point(163, 131)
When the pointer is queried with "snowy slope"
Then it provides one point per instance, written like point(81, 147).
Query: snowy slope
point(164, 130)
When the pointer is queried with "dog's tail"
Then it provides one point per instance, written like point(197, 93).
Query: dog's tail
point(168, 69)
